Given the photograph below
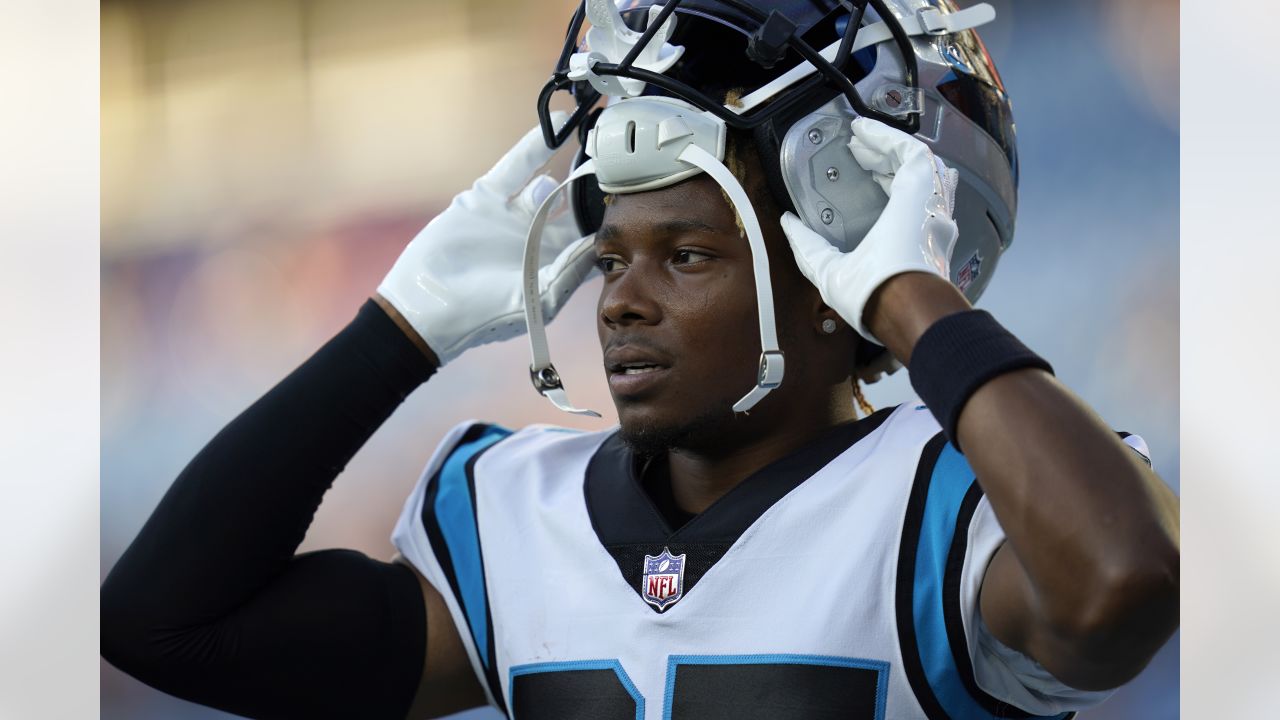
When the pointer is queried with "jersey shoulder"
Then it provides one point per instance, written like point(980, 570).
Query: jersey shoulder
point(446, 489)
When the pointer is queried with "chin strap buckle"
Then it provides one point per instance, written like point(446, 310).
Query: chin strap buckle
point(772, 365)
point(547, 382)
point(545, 379)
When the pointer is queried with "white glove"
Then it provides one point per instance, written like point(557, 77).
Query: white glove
point(458, 283)
point(915, 232)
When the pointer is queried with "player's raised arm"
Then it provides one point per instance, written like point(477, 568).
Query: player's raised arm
point(1087, 583)
point(211, 604)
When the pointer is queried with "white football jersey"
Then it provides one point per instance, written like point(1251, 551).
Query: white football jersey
point(838, 582)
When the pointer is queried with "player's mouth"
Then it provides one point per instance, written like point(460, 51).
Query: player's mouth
point(634, 370)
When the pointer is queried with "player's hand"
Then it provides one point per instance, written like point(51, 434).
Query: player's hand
point(458, 283)
point(915, 232)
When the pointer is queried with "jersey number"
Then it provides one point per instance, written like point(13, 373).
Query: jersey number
point(707, 687)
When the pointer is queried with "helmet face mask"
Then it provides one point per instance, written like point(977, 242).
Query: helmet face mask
point(775, 34)
point(792, 75)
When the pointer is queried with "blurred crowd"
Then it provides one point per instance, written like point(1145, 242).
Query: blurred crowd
point(264, 161)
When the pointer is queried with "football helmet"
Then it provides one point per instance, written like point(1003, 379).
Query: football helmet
point(656, 87)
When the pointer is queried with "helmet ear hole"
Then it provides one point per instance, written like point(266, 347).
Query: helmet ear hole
point(586, 198)
point(766, 140)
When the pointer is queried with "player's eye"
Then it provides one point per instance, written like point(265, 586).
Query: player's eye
point(685, 256)
point(609, 263)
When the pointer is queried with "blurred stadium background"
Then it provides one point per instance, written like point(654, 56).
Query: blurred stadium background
point(263, 162)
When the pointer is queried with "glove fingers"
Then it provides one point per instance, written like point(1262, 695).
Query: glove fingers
point(884, 151)
point(561, 229)
point(813, 253)
point(526, 157)
point(879, 152)
point(871, 158)
point(883, 145)
point(558, 279)
point(884, 181)
point(950, 180)
point(874, 162)
point(876, 134)
point(533, 194)
point(922, 175)
point(924, 180)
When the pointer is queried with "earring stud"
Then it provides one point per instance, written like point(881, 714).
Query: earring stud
point(828, 326)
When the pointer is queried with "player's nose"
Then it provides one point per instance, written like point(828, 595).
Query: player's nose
point(628, 299)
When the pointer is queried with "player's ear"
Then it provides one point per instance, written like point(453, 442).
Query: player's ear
point(837, 342)
point(826, 322)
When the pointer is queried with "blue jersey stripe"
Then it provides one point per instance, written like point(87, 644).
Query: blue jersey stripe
point(457, 519)
point(948, 485)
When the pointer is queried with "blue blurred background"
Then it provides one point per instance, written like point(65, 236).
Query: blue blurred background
point(263, 162)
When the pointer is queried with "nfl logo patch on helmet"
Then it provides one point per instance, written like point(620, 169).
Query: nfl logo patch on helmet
point(969, 271)
point(662, 583)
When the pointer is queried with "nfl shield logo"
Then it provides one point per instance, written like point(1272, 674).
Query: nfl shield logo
point(969, 271)
point(663, 581)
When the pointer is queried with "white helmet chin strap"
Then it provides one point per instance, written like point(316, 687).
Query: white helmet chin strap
point(545, 378)
point(636, 168)
point(771, 361)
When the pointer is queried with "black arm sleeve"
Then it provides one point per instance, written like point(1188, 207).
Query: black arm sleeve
point(210, 604)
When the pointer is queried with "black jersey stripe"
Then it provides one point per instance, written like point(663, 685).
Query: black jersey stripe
point(904, 595)
point(491, 669)
point(954, 616)
point(467, 583)
point(941, 506)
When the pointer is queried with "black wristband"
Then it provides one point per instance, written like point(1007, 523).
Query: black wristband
point(959, 354)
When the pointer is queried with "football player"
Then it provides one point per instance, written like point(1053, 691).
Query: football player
point(783, 200)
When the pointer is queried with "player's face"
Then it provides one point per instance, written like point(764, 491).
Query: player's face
point(677, 315)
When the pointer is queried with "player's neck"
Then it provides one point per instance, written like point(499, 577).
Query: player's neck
point(699, 477)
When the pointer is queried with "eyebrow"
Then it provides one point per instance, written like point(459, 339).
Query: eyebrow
point(663, 228)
